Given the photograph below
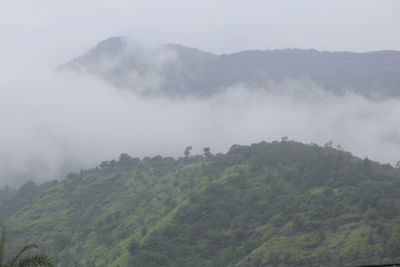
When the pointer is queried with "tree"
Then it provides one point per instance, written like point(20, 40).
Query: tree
point(33, 260)
point(366, 165)
point(393, 245)
point(187, 152)
point(207, 153)
point(329, 144)
point(134, 247)
point(72, 175)
point(398, 164)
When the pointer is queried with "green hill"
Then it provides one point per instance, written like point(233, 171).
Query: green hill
point(268, 204)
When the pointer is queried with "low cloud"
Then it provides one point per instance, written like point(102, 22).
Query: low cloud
point(54, 123)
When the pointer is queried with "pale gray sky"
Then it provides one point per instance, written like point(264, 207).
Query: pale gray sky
point(57, 30)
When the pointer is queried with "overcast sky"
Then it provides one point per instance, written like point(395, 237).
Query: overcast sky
point(62, 29)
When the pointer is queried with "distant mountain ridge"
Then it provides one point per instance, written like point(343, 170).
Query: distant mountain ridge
point(176, 70)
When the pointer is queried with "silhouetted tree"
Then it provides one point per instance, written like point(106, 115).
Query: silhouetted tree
point(186, 153)
point(207, 153)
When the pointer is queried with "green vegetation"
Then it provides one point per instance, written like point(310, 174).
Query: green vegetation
point(33, 260)
point(267, 204)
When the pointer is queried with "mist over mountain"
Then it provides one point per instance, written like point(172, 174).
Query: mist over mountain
point(199, 133)
point(175, 70)
point(143, 99)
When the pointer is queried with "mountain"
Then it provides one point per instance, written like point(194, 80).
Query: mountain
point(176, 70)
point(267, 204)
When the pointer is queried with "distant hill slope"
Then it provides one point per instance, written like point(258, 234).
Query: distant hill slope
point(176, 70)
point(268, 204)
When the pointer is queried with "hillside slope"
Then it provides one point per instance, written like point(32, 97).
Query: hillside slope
point(268, 204)
point(176, 70)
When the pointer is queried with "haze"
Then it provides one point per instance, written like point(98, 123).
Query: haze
point(53, 123)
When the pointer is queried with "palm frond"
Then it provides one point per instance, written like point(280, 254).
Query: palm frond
point(20, 252)
point(36, 261)
point(2, 244)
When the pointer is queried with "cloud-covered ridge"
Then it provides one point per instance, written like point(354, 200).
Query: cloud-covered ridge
point(55, 122)
point(176, 70)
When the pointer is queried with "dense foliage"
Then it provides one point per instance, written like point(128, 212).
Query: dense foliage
point(268, 204)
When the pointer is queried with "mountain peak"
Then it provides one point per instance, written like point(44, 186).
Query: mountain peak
point(114, 40)
point(184, 71)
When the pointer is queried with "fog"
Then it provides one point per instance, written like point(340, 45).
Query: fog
point(53, 123)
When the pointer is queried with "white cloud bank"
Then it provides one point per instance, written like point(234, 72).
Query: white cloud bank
point(52, 123)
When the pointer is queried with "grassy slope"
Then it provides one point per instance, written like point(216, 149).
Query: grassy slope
point(268, 204)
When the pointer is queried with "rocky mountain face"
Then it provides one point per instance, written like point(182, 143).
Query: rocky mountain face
point(176, 70)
